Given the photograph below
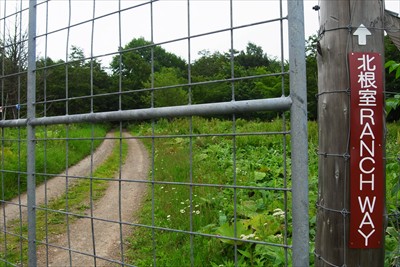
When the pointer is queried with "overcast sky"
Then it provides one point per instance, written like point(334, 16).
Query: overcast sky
point(170, 22)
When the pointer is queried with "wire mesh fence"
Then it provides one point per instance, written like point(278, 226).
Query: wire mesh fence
point(125, 133)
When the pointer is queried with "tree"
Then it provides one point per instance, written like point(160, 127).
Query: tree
point(14, 55)
point(213, 71)
point(312, 76)
point(172, 96)
point(50, 86)
point(254, 56)
point(79, 84)
point(132, 69)
point(211, 67)
point(85, 78)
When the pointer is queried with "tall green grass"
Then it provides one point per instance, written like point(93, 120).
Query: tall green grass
point(211, 209)
point(51, 154)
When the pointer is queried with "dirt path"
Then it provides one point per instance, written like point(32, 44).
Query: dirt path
point(56, 186)
point(106, 234)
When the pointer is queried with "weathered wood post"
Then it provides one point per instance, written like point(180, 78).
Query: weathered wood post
point(339, 20)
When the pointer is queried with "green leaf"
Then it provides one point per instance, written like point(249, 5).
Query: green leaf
point(392, 103)
point(201, 157)
point(392, 232)
point(393, 67)
point(222, 219)
point(228, 230)
point(259, 176)
point(389, 63)
point(248, 208)
point(395, 189)
point(245, 253)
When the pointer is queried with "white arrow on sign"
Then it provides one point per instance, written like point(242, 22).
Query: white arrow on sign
point(362, 33)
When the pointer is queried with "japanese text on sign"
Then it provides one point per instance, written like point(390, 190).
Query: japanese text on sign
point(366, 152)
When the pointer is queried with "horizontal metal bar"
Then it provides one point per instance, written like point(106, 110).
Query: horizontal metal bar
point(14, 123)
point(234, 107)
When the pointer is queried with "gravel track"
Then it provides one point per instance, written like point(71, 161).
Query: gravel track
point(119, 203)
point(107, 235)
point(56, 186)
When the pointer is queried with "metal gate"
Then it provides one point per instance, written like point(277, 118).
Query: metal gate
point(48, 80)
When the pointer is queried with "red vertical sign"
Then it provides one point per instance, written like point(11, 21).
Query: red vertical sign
point(366, 151)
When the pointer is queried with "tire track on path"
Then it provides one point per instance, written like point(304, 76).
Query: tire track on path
point(55, 187)
point(106, 234)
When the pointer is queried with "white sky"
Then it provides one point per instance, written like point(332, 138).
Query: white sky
point(170, 21)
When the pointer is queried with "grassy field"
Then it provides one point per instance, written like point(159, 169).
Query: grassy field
point(181, 162)
point(51, 155)
point(197, 184)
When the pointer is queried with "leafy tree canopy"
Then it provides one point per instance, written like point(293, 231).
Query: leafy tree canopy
point(140, 66)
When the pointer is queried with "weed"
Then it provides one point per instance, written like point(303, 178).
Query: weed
point(240, 217)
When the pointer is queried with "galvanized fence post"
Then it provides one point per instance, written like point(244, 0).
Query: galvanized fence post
point(298, 92)
point(31, 166)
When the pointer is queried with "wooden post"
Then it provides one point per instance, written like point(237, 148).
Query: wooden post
point(338, 21)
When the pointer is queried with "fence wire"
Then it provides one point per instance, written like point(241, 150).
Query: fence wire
point(96, 94)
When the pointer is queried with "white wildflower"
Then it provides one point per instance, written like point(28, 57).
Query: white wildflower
point(246, 237)
point(279, 213)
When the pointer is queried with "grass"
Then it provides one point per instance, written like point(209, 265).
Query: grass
point(179, 203)
point(51, 154)
point(51, 222)
point(181, 209)
point(209, 210)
